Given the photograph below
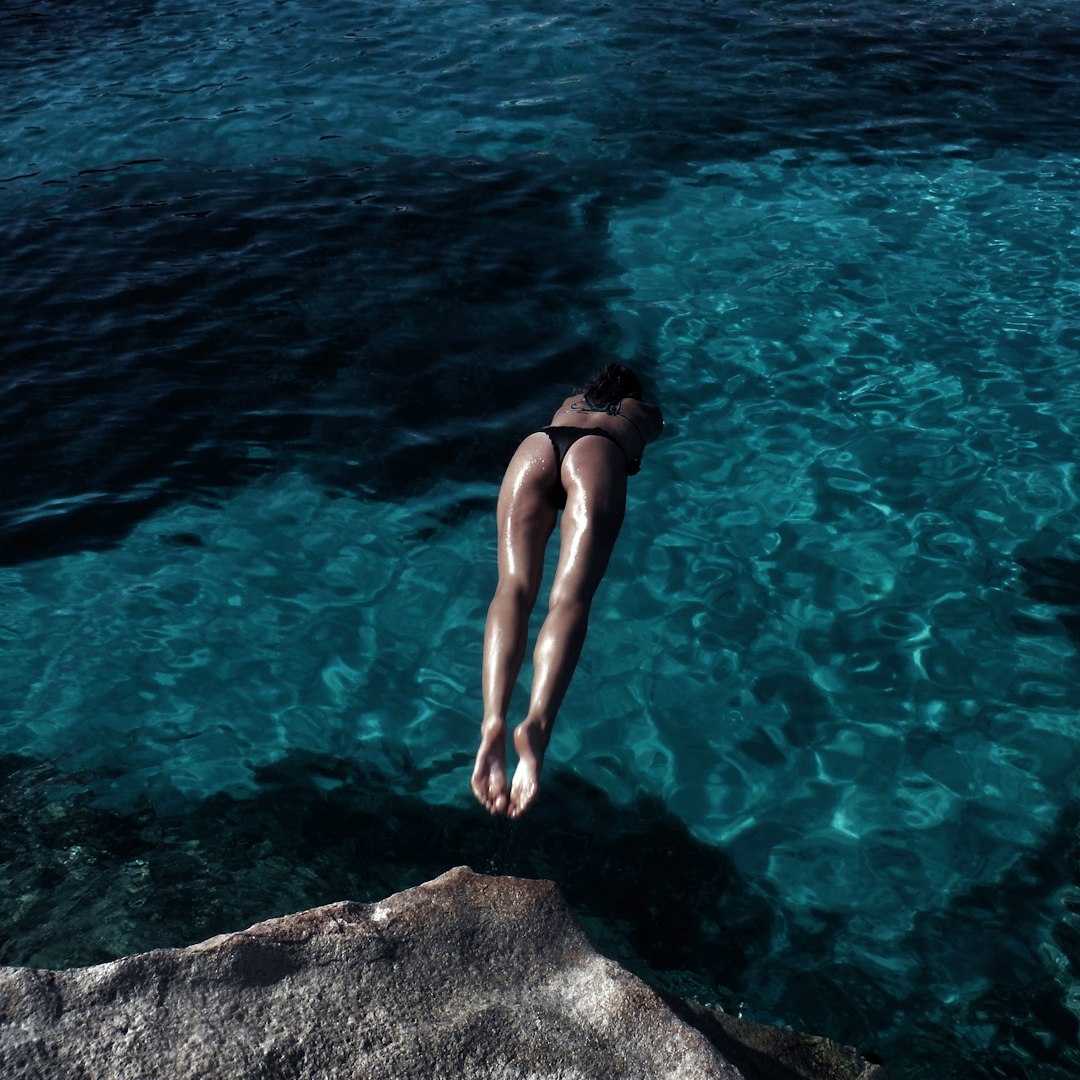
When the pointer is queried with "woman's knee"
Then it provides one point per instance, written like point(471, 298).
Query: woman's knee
point(571, 598)
point(516, 592)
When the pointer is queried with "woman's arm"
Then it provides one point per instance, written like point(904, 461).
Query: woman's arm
point(648, 419)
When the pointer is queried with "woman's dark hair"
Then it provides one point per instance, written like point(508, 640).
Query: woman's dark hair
point(611, 384)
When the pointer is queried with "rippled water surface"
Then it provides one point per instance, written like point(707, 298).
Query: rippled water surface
point(285, 282)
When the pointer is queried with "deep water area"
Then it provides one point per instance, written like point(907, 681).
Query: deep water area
point(285, 283)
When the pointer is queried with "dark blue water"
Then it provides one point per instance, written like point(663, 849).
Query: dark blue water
point(285, 282)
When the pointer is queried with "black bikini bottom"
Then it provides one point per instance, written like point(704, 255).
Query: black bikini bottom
point(562, 438)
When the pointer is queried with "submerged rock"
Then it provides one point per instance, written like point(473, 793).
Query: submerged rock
point(466, 976)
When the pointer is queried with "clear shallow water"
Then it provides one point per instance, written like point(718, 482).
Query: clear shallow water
point(285, 283)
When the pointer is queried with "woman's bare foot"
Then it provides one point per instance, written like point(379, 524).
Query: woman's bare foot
point(489, 772)
point(530, 742)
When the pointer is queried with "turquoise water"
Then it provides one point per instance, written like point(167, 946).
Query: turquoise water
point(284, 285)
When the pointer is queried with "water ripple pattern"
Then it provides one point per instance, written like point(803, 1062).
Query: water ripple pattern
point(285, 282)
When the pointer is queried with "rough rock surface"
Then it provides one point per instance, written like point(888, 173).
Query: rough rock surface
point(466, 976)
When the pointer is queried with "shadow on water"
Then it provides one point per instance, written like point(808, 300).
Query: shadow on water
point(390, 326)
point(170, 330)
point(84, 884)
point(321, 829)
point(992, 933)
point(1053, 580)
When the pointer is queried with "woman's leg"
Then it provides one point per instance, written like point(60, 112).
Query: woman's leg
point(595, 478)
point(526, 518)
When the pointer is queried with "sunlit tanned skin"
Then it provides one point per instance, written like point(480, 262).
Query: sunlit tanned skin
point(593, 477)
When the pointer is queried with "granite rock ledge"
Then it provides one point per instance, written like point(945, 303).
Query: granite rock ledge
point(463, 977)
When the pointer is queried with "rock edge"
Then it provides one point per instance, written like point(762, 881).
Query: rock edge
point(465, 977)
